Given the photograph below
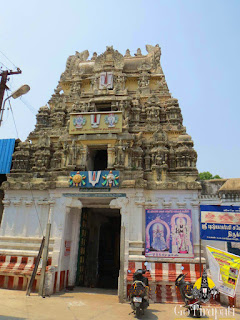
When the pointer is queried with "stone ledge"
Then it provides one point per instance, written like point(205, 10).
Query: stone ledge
point(128, 184)
point(141, 258)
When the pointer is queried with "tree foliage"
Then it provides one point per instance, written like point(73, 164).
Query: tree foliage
point(206, 175)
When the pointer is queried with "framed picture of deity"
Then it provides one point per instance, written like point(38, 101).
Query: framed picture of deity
point(169, 233)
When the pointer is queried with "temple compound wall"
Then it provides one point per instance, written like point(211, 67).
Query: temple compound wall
point(111, 167)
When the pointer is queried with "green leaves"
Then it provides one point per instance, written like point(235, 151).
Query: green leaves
point(206, 175)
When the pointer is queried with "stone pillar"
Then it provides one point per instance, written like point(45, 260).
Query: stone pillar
point(47, 279)
point(83, 157)
point(16, 221)
point(138, 217)
point(111, 156)
point(6, 203)
point(73, 212)
point(195, 225)
point(122, 204)
point(40, 216)
point(29, 208)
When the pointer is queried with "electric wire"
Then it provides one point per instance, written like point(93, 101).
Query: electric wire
point(6, 117)
point(13, 118)
point(8, 59)
point(4, 65)
point(37, 212)
point(28, 105)
point(7, 112)
point(25, 102)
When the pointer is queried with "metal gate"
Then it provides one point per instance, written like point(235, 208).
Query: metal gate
point(82, 252)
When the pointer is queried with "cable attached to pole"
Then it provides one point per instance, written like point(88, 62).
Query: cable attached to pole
point(37, 212)
point(13, 118)
point(9, 60)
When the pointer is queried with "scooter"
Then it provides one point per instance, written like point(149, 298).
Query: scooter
point(139, 292)
point(186, 289)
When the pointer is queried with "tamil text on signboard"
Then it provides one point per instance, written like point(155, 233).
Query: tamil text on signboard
point(221, 223)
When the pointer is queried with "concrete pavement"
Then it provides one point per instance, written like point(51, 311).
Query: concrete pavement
point(90, 304)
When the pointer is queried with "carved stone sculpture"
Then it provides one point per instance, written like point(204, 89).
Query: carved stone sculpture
point(56, 162)
point(151, 146)
point(43, 118)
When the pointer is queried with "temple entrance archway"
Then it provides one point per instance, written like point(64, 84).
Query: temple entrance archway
point(99, 248)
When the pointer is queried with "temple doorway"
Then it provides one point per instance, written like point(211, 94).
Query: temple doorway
point(99, 248)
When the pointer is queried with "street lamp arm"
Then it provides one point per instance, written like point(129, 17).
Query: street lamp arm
point(16, 94)
point(20, 91)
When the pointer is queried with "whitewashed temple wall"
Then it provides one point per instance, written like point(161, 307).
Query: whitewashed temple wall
point(22, 218)
point(21, 234)
point(140, 200)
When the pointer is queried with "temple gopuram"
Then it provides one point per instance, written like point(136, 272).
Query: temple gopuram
point(110, 165)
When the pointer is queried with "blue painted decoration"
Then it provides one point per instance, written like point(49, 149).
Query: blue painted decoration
point(94, 179)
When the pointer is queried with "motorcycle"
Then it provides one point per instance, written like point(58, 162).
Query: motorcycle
point(139, 292)
point(186, 290)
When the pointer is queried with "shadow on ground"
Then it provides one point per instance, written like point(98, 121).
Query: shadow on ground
point(11, 318)
point(149, 314)
point(112, 292)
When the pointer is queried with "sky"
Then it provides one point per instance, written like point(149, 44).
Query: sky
point(200, 46)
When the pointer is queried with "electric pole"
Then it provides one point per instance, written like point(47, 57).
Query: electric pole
point(3, 86)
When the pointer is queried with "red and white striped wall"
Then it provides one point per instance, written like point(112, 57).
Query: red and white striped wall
point(62, 282)
point(162, 278)
point(16, 271)
point(166, 272)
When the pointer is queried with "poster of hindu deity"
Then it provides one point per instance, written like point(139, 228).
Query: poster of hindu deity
point(169, 233)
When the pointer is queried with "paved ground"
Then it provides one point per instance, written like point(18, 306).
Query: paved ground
point(89, 304)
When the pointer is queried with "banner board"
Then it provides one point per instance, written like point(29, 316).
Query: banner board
point(169, 233)
point(220, 223)
point(225, 268)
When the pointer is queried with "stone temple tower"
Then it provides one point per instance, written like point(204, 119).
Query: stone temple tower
point(151, 149)
point(109, 145)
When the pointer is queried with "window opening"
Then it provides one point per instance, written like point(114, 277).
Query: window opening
point(103, 107)
point(97, 159)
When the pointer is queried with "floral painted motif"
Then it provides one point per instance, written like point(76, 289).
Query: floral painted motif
point(111, 119)
point(94, 179)
point(110, 180)
point(211, 217)
point(77, 180)
point(79, 121)
point(226, 218)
